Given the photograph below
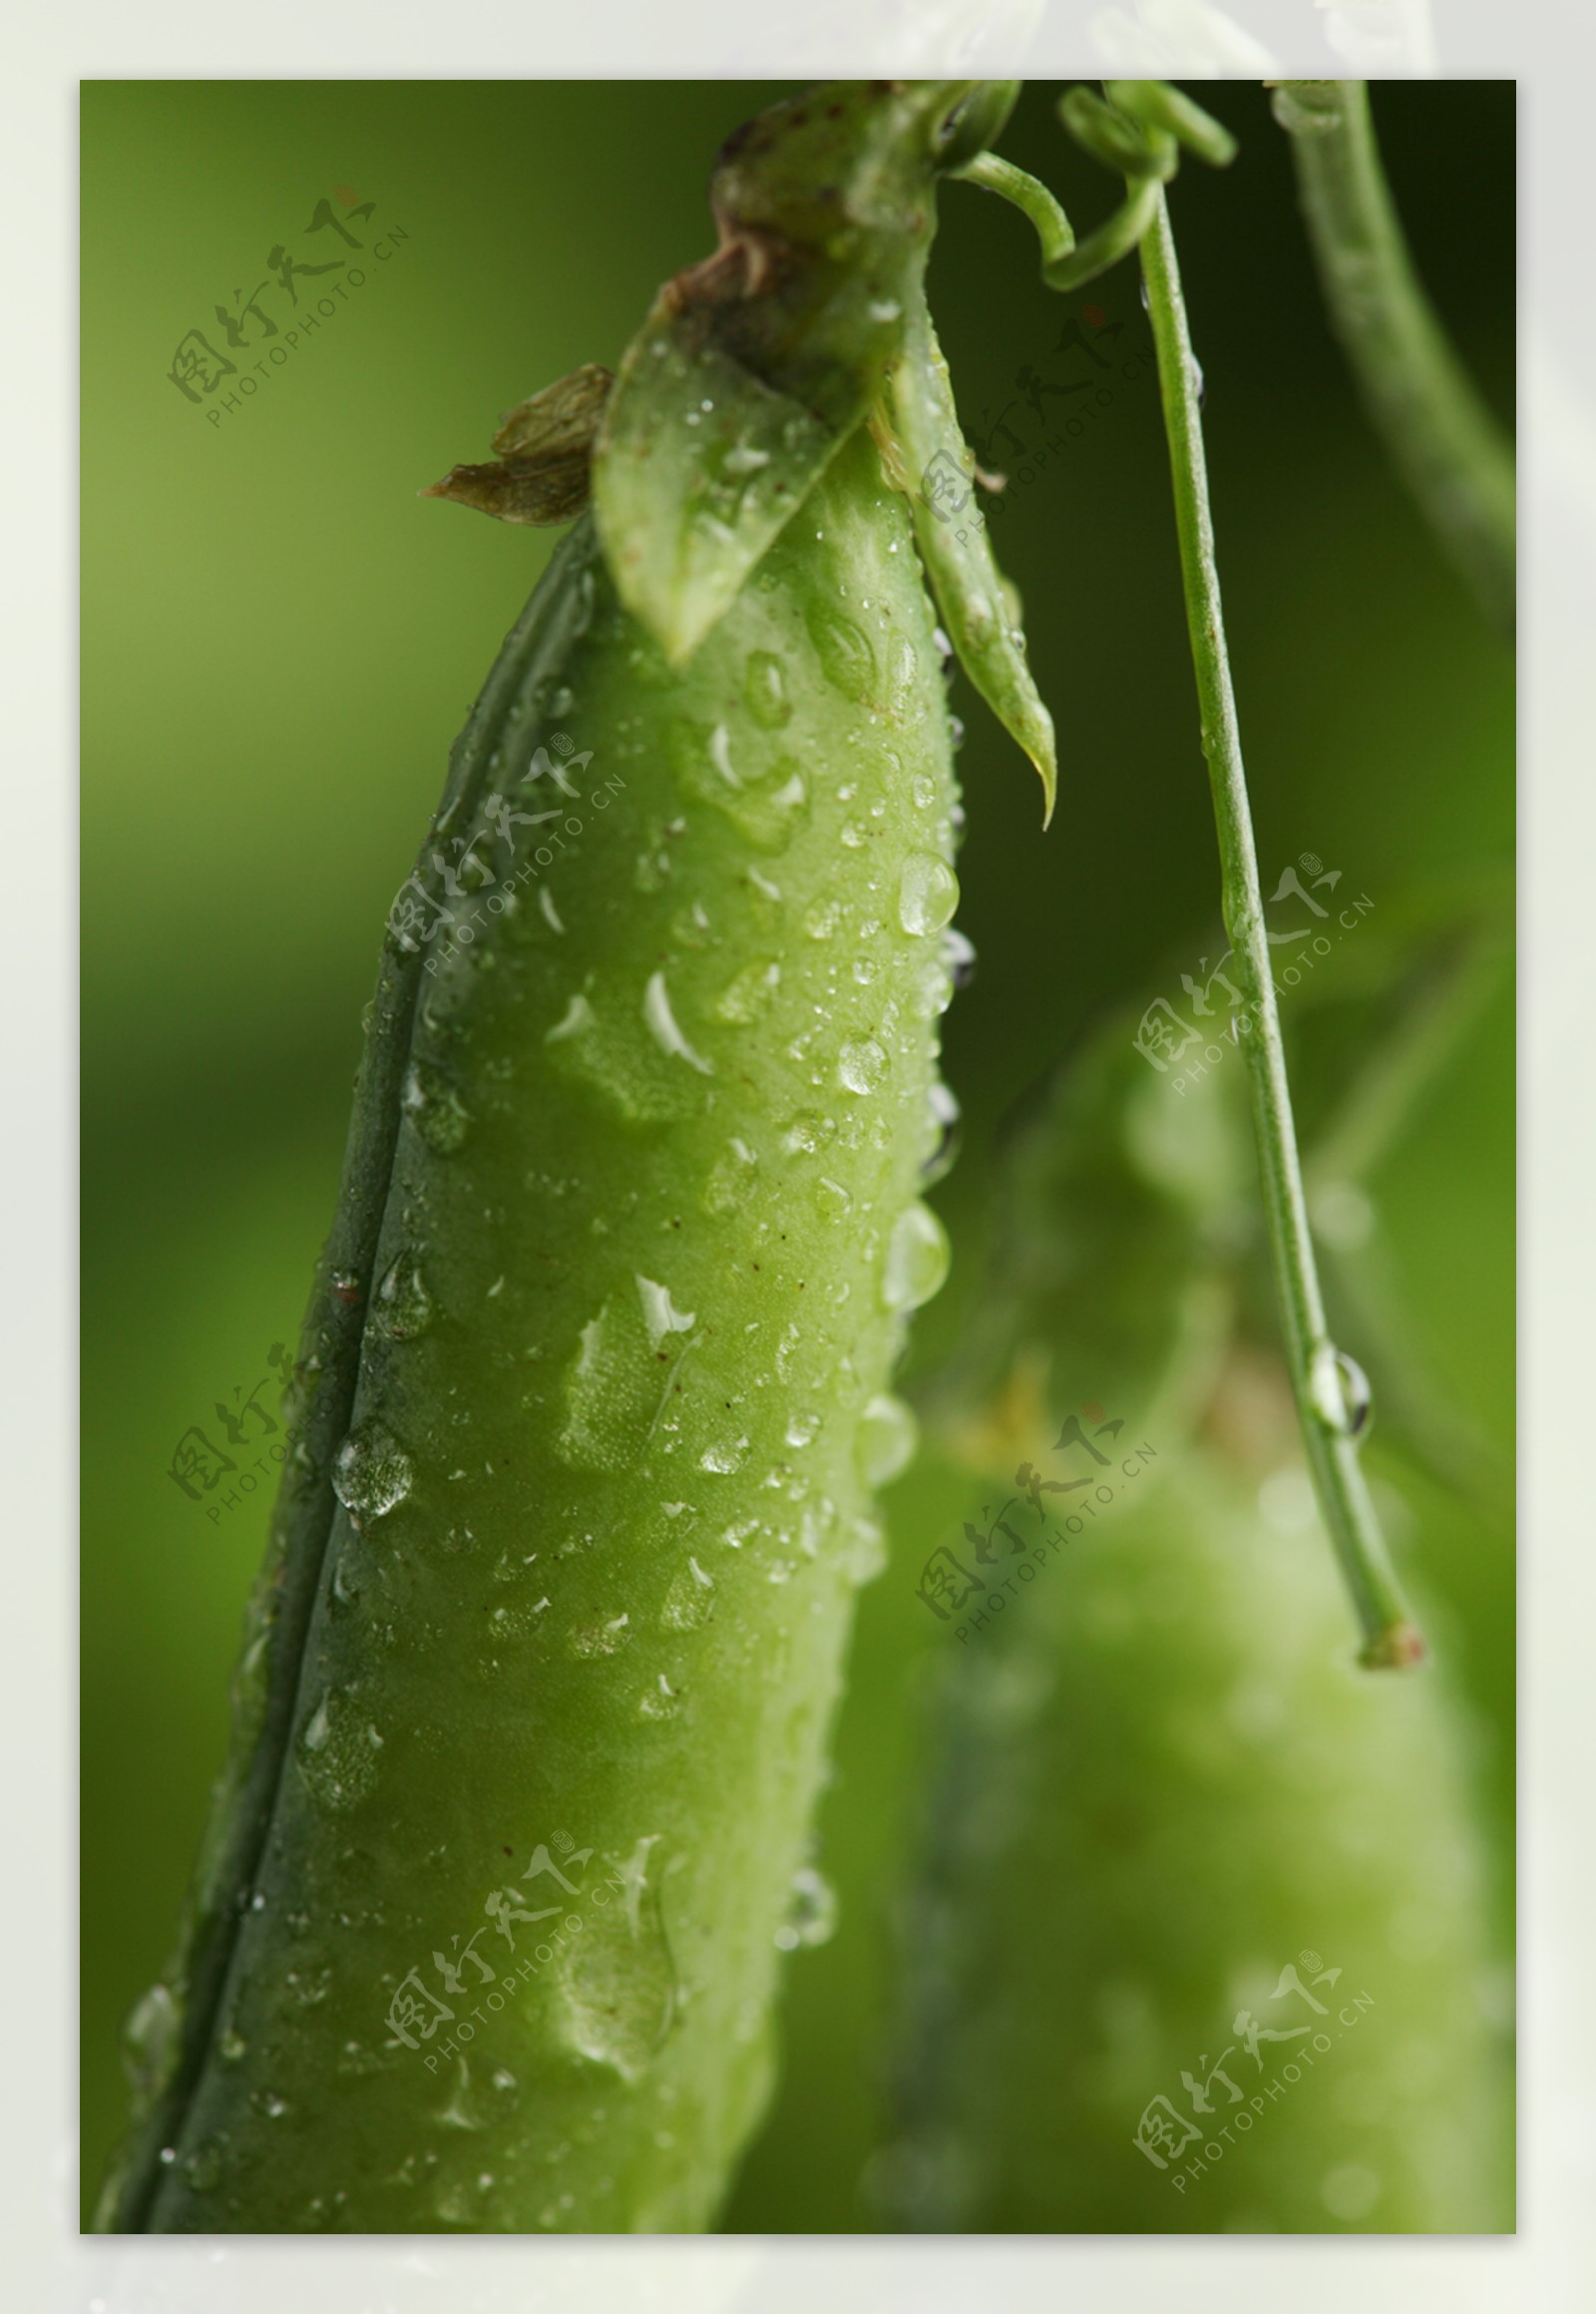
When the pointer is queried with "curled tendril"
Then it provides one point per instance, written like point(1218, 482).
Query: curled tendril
point(1137, 128)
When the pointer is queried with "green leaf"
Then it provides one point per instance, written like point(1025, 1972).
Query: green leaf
point(756, 364)
point(700, 468)
point(928, 457)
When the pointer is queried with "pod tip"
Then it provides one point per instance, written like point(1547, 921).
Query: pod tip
point(1397, 1648)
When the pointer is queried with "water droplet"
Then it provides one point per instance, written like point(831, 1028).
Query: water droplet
point(928, 894)
point(1339, 1388)
point(811, 1911)
point(843, 651)
point(862, 1064)
point(465, 2109)
point(689, 926)
point(801, 1429)
point(618, 1976)
point(959, 953)
point(866, 1556)
point(922, 790)
point(232, 2047)
point(834, 1200)
point(764, 691)
point(659, 1313)
point(748, 995)
point(371, 1473)
point(662, 1025)
point(917, 1258)
point(900, 671)
point(808, 1133)
point(822, 919)
point(404, 1308)
point(579, 618)
point(731, 1179)
point(150, 2041)
point(887, 1436)
point(764, 796)
point(933, 990)
point(439, 1115)
point(337, 1752)
point(943, 1134)
point(595, 1638)
point(690, 1599)
point(726, 1457)
point(577, 1018)
point(720, 755)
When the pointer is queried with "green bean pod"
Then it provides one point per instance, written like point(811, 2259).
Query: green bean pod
point(1200, 1935)
point(534, 1704)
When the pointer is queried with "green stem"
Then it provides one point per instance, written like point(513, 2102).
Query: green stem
point(1453, 456)
point(1390, 1636)
point(1028, 194)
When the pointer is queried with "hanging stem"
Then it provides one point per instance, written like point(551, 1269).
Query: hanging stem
point(1455, 459)
point(1320, 1377)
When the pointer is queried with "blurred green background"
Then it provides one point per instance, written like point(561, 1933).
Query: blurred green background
point(280, 639)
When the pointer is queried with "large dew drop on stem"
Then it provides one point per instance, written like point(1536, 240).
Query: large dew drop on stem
point(404, 1308)
point(917, 1258)
point(372, 1473)
point(928, 894)
point(887, 1436)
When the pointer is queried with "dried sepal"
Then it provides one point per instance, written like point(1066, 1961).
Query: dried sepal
point(542, 452)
